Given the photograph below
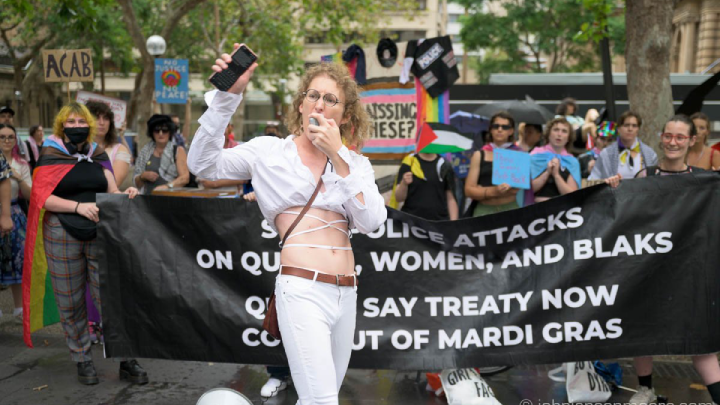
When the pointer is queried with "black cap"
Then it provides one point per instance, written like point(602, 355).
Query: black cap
point(6, 109)
point(387, 52)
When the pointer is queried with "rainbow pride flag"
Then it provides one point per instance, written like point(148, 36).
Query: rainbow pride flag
point(431, 109)
point(335, 57)
point(39, 307)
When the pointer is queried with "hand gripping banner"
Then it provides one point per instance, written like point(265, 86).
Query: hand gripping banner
point(599, 273)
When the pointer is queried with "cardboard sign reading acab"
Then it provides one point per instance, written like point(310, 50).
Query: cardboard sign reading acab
point(66, 65)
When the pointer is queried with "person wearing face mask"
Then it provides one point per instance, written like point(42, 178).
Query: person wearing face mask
point(628, 155)
point(316, 288)
point(161, 164)
point(71, 170)
point(678, 137)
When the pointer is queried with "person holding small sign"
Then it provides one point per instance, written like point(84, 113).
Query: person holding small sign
point(678, 137)
point(554, 170)
point(488, 198)
point(316, 289)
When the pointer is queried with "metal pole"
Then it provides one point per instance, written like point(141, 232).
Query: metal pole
point(608, 79)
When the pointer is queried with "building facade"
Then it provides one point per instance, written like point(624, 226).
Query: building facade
point(696, 37)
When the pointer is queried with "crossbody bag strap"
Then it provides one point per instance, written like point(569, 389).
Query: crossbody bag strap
point(305, 209)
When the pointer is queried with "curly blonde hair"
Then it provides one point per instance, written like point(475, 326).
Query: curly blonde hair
point(74, 108)
point(358, 128)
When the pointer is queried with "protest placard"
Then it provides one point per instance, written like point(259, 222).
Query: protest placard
point(119, 107)
point(511, 167)
point(171, 81)
point(68, 65)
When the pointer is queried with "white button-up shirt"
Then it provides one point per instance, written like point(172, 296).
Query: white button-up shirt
point(279, 177)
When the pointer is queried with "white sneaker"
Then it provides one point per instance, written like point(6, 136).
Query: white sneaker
point(643, 396)
point(18, 315)
point(272, 387)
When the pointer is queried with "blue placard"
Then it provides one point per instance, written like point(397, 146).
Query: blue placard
point(511, 167)
point(171, 81)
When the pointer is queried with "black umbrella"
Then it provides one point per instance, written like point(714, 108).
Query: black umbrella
point(525, 111)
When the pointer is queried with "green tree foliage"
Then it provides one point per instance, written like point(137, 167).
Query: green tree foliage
point(607, 20)
point(275, 29)
point(529, 36)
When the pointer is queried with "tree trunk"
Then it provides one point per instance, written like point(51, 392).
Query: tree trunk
point(649, 27)
point(146, 83)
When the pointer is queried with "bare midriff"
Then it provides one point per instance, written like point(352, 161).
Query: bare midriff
point(499, 200)
point(330, 261)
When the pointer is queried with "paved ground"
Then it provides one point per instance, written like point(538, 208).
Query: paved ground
point(45, 375)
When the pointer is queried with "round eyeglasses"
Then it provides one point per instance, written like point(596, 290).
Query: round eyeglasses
point(329, 99)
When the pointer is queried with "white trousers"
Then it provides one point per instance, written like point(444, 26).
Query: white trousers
point(317, 323)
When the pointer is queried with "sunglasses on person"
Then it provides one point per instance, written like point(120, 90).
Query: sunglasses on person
point(503, 127)
point(668, 137)
point(329, 99)
point(161, 129)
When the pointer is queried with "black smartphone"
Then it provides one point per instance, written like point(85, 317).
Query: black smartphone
point(242, 59)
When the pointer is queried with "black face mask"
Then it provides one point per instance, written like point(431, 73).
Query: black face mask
point(77, 135)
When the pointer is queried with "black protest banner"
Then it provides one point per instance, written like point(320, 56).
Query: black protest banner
point(599, 273)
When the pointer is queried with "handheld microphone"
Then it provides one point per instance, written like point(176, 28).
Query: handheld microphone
point(314, 121)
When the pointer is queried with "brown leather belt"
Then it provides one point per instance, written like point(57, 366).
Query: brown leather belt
point(339, 280)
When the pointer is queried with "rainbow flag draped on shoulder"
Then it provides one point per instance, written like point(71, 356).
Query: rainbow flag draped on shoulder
point(39, 307)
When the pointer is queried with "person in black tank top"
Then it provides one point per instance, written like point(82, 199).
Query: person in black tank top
point(555, 180)
point(678, 136)
point(486, 197)
point(70, 172)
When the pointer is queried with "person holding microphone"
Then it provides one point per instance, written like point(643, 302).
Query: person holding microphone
point(316, 288)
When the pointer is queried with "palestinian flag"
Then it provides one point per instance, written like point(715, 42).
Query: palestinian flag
point(39, 307)
point(441, 138)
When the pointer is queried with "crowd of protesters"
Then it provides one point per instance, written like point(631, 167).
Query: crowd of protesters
point(565, 153)
point(570, 152)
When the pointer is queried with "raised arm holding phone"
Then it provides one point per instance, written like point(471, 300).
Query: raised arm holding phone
point(317, 284)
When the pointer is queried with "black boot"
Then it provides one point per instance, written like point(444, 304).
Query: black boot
point(86, 373)
point(131, 370)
